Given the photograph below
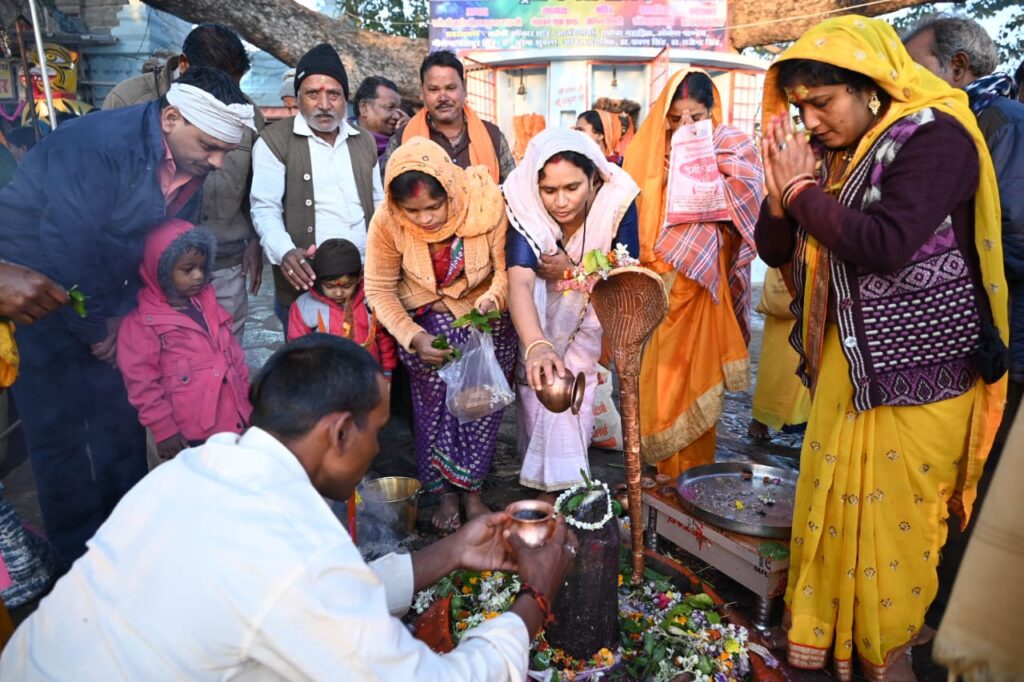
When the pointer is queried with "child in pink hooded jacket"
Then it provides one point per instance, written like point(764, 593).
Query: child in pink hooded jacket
point(184, 370)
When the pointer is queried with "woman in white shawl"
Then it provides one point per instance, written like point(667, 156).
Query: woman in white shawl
point(563, 200)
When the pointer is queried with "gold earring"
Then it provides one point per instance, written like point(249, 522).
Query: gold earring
point(874, 104)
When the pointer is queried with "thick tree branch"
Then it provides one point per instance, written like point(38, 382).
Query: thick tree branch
point(745, 12)
point(286, 30)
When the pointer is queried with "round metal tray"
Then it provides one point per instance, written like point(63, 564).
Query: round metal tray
point(736, 497)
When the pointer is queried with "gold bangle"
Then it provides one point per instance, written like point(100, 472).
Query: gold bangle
point(538, 342)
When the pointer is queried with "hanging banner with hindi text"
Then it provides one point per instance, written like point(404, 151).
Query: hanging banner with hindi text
point(469, 25)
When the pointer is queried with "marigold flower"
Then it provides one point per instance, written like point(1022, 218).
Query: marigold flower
point(466, 589)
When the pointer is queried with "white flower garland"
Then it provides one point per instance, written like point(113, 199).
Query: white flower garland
point(568, 494)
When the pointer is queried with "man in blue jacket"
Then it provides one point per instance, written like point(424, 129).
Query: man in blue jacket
point(78, 212)
point(960, 52)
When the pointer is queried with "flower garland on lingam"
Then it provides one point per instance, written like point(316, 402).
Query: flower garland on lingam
point(569, 501)
point(595, 266)
point(663, 632)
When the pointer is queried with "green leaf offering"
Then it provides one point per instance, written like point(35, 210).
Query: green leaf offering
point(440, 342)
point(478, 321)
point(617, 509)
point(700, 601)
point(773, 550)
point(76, 299)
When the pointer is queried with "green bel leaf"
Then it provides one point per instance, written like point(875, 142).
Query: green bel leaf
point(76, 299)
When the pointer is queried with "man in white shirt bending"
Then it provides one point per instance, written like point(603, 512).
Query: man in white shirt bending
point(227, 564)
point(313, 178)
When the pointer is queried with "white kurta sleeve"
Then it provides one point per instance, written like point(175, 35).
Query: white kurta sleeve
point(266, 202)
point(378, 190)
point(395, 572)
point(332, 622)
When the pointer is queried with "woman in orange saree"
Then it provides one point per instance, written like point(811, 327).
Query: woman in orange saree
point(700, 350)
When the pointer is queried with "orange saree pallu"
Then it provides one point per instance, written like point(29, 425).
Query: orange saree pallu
point(695, 355)
point(700, 350)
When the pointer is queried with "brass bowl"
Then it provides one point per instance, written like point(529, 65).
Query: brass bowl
point(532, 520)
point(565, 394)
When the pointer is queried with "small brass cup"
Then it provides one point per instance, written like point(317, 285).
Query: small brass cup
point(532, 520)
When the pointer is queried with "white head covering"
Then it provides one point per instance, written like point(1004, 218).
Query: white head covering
point(526, 212)
point(226, 122)
point(562, 314)
point(287, 84)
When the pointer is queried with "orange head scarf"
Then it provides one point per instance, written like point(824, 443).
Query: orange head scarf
point(647, 162)
point(612, 125)
point(481, 150)
point(475, 204)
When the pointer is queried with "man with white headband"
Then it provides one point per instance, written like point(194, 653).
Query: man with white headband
point(225, 207)
point(78, 212)
point(313, 178)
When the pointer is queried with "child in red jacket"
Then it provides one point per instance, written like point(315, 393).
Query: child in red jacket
point(184, 370)
point(336, 305)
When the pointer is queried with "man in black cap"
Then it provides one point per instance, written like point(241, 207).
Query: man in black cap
point(314, 177)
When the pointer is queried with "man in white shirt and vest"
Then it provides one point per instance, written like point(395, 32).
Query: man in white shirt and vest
point(227, 563)
point(314, 177)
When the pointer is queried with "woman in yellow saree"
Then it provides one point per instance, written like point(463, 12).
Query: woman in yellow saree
point(700, 350)
point(889, 216)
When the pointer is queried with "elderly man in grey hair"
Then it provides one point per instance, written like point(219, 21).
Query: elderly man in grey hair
point(960, 52)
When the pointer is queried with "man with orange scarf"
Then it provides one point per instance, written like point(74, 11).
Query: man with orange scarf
point(447, 120)
point(700, 350)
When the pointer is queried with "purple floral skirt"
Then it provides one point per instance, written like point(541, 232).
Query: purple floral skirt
point(452, 457)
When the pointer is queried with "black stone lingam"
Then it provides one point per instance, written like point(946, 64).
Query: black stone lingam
point(586, 609)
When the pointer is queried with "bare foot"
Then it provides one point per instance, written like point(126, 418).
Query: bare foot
point(474, 506)
point(446, 518)
point(758, 431)
point(901, 669)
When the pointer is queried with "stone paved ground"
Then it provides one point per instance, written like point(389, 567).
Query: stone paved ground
point(263, 336)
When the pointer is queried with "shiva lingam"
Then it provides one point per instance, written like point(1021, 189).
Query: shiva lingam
point(566, 393)
point(531, 520)
point(630, 304)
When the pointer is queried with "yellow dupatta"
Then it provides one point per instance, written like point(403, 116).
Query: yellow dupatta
point(872, 48)
point(9, 358)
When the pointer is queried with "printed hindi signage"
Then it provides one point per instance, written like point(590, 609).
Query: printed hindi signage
point(8, 89)
point(464, 25)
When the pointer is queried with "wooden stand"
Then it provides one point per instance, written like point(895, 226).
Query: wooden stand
point(734, 554)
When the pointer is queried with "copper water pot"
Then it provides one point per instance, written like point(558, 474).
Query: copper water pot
point(565, 394)
point(532, 520)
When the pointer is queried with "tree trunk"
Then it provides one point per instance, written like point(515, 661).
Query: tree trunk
point(742, 13)
point(286, 30)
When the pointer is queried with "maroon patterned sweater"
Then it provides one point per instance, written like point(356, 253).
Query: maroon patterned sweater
point(905, 280)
